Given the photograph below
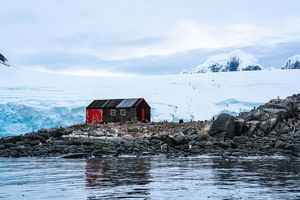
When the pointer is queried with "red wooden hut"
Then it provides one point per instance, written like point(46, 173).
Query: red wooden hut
point(118, 110)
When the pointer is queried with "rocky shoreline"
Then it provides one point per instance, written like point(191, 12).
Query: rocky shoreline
point(273, 128)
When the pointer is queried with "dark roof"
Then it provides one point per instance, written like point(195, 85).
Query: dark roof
point(112, 103)
point(115, 103)
point(97, 104)
point(127, 103)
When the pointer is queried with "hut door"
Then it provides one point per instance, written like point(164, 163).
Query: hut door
point(98, 116)
point(94, 116)
point(143, 115)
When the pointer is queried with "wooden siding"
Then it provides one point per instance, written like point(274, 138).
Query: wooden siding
point(139, 111)
point(147, 111)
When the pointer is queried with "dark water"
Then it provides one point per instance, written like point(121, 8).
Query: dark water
point(203, 177)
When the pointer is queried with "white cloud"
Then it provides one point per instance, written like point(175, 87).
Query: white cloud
point(189, 35)
point(141, 28)
point(185, 35)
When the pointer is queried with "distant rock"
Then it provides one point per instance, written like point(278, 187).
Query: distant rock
point(292, 63)
point(229, 62)
point(252, 68)
point(3, 60)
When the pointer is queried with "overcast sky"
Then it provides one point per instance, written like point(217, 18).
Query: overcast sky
point(35, 31)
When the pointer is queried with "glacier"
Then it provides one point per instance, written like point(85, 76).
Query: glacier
point(31, 100)
point(19, 118)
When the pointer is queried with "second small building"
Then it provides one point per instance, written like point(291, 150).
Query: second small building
point(118, 110)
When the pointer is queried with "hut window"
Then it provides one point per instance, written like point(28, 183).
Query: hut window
point(123, 112)
point(113, 112)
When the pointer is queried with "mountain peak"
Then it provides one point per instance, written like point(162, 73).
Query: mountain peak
point(292, 62)
point(236, 60)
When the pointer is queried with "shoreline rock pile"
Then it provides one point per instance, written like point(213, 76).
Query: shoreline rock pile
point(269, 129)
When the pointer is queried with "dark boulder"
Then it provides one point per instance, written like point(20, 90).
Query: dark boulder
point(165, 139)
point(240, 140)
point(268, 125)
point(59, 132)
point(227, 126)
point(190, 131)
point(192, 134)
point(254, 115)
point(12, 139)
point(223, 123)
point(173, 140)
point(293, 147)
point(180, 138)
point(280, 144)
point(297, 134)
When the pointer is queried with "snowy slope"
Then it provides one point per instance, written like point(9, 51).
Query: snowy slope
point(32, 100)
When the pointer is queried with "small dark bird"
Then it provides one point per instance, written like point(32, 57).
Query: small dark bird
point(3, 60)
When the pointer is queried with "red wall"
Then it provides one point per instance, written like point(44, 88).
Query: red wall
point(94, 116)
point(143, 112)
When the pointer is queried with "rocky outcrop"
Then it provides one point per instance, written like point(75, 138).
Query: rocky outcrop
point(229, 62)
point(271, 128)
point(292, 63)
point(227, 126)
point(252, 68)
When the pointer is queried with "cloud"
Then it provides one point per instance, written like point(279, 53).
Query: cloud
point(110, 51)
point(62, 34)
point(189, 34)
point(185, 35)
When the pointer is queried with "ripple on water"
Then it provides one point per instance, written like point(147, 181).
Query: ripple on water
point(201, 177)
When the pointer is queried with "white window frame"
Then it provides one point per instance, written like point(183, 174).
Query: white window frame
point(123, 112)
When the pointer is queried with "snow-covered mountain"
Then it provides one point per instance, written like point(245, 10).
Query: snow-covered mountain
point(33, 100)
point(267, 55)
point(233, 61)
point(292, 63)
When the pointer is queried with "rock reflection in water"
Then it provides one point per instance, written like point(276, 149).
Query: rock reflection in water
point(111, 173)
point(280, 174)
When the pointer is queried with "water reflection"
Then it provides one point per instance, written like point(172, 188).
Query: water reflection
point(280, 174)
point(158, 177)
point(110, 173)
